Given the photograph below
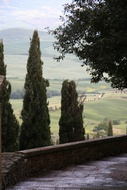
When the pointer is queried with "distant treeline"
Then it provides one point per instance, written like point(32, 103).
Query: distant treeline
point(19, 94)
point(80, 79)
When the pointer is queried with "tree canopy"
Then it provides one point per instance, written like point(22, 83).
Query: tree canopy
point(96, 32)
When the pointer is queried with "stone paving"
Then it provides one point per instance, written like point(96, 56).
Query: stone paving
point(106, 174)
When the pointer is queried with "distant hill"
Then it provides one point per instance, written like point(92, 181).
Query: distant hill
point(16, 46)
point(22, 35)
point(17, 41)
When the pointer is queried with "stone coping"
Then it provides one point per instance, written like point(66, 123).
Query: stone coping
point(70, 146)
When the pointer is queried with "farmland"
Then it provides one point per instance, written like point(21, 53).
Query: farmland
point(111, 105)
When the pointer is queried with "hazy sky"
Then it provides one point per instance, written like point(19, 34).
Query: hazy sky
point(33, 14)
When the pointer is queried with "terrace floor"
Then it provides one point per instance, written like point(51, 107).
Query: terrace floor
point(106, 174)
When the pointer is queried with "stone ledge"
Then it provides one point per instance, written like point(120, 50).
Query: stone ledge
point(70, 146)
point(59, 156)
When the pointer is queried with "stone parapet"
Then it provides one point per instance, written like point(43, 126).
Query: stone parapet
point(59, 156)
point(16, 166)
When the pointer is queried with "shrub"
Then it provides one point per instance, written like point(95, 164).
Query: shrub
point(116, 122)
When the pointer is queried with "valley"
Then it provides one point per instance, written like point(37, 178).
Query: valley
point(111, 105)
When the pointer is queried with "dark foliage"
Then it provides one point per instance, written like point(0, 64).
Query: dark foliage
point(71, 120)
point(110, 129)
point(35, 129)
point(96, 32)
point(9, 123)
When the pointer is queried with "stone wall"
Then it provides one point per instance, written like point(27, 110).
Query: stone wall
point(17, 166)
point(13, 168)
point(59, 156)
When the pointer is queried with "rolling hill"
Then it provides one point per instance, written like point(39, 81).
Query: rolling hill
point(17, 40)
point(16, 46)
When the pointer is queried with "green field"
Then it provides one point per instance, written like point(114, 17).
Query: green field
point(67, 69)
point(112, 106)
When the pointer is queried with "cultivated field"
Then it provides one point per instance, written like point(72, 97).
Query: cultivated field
point(111, 105)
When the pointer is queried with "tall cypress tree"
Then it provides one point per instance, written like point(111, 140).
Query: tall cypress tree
point(35, 129)
point(10, 125)
point(110, 129)
point(71, 120)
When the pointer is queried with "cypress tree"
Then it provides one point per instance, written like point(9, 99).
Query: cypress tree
point(71, 121)
point(9, 123)
point(35, 128)
point(110, 129)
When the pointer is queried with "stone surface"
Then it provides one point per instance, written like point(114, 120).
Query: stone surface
point(13, 167)
point(105, 174)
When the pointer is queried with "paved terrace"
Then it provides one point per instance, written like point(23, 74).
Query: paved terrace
point(106, 174)
point(93, 164)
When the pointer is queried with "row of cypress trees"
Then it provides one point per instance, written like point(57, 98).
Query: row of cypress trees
point(35, 128)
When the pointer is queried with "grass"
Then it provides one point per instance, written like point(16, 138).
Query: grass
point(54, 101)
point(16, 83)
point(66, 69)
point(112, 106)
point(55, 115)
point(108, 107)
